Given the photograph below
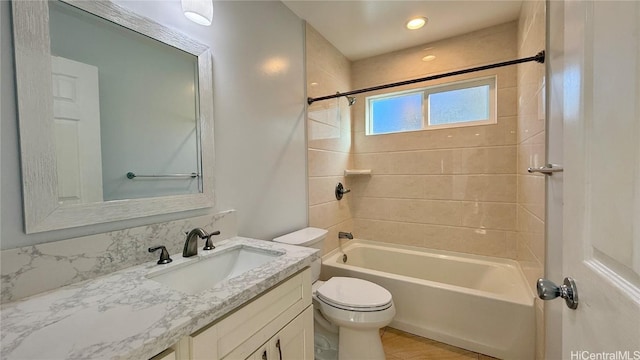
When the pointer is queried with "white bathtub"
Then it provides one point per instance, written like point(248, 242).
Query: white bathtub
point(474, 302)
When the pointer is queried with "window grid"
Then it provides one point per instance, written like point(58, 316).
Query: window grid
point(477, 112)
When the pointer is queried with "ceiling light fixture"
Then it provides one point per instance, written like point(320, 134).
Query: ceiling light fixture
point(416, 23)
point(429, 58)
point(198, 11)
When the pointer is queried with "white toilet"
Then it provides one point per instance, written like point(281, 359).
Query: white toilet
point(348, 311)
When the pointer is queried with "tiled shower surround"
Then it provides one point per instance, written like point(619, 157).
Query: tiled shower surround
point(452, 189)
point(532, 153)
point(462, 189)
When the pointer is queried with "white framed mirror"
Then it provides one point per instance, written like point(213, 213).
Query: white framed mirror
point(115, 115)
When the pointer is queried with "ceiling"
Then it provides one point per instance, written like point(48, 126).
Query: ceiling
point(365, 28)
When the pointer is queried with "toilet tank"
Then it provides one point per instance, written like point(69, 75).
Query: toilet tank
point(308, 237)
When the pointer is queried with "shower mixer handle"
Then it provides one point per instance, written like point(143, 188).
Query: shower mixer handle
point(340, 191)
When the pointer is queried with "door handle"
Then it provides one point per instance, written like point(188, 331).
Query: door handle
point(548, 169)
point(547, 290)
point(279, 349)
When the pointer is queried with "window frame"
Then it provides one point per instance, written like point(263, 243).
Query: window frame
point(491, 81)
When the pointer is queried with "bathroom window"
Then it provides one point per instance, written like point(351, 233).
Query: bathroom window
point(464, 103)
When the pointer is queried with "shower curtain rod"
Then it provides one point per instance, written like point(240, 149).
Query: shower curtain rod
point(537, 58)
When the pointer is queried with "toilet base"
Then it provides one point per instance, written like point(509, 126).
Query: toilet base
point(360, 344)
point(325, 342)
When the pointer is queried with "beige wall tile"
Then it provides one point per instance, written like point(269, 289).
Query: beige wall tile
point(500, 188)
point(430, 162)
point(327, 163)
point(329, 135)
point(531, 232)
point(370, 208)
point(391, 186)
point(484, 215)
point(477, 48)
point(490, 243)
point(507, 102)
point(329, 214)
point(532, 153)
point(472, 241)
point(504, 133)
point(494, 160)
point(531, 194)
point(325, 55)
point(376, 230)
point(330, 138)
point(402, 233)
point(424, 211)
point(444, 238)
point(439, 187)
point(378, 163)
point(531, 266)
point(322, 189)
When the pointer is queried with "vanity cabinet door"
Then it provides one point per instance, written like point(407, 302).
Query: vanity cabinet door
point(261, 354)
point(168, 354)
point(178, 351)
point(294, 341)
point(238, 335)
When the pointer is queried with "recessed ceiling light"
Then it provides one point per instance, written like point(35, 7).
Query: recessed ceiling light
point(416, 23)
point(429, 58)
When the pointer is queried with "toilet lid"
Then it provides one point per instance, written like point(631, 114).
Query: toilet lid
point(354, 293)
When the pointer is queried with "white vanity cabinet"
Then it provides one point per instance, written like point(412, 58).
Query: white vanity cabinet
point(277, 322)
point(179, 351)
point(293, 342)
point(169, 354)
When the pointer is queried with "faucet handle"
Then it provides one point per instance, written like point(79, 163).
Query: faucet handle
point(208, 245)
point(164, 255)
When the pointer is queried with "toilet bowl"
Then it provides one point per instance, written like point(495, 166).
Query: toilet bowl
point(359, 308)
point(348, 310)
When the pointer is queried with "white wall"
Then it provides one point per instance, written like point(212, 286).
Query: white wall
point(260, 166)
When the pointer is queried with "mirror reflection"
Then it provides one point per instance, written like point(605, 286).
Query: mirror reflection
point(123, 103)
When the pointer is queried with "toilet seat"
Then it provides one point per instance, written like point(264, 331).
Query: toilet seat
point(354, 295)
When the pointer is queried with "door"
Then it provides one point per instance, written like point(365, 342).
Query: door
point(76, 116)
point(294, 341)
point(601, 230)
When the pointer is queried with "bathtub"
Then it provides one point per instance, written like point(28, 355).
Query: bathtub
point(478, 303)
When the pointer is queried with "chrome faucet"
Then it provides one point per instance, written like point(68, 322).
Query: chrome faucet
point(345, 235)
point(191, 244)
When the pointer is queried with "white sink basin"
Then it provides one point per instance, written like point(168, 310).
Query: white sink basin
point(207, 271)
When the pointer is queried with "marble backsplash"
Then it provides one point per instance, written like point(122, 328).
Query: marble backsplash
point(34, 269)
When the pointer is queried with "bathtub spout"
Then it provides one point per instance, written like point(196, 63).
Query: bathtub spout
point(345, 235)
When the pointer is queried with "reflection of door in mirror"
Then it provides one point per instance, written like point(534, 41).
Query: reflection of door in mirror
point(76, 116)
point(148, 104)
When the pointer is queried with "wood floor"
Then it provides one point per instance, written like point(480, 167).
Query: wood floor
point(399, 345)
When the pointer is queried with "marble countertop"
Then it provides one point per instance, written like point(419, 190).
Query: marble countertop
point(125, 315)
